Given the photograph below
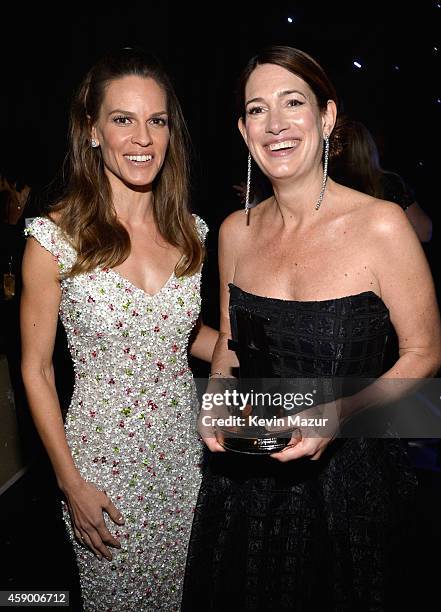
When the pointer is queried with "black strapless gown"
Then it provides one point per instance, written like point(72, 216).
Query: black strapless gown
point(276, 537)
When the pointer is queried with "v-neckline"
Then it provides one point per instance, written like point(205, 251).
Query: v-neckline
point(139, 289)
point(124, 278)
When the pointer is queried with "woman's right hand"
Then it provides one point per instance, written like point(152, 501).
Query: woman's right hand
point(207, 432)
point(86, 504)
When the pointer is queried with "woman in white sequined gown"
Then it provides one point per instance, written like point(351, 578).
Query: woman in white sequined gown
point(119, 260)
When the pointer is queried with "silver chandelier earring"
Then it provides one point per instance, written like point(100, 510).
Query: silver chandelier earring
point(325, 173)
point(94, 143)
point(247, 193)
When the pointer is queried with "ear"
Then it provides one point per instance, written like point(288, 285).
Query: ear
point(329, 117)
point(242, 129)
point(92, 129)
point(93, 133)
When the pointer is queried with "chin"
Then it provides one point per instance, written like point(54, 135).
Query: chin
point(138, 183)
point(279, 171)
point(281, 175)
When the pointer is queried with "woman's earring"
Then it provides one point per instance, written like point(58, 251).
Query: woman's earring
point(325, 173)
point(94, 143)
point(247, 194)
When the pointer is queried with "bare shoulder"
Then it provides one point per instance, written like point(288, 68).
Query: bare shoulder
point(231, 228)
point(386, 236)
point(368, 213)
point(372, 221)
point(235, 225)
point(385, 219)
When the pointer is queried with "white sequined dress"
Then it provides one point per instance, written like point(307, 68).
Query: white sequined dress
point(131, 424)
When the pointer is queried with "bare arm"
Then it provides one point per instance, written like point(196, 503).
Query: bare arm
point(204, 343)
point(407, 290)
point(39, 313)
point(223, 359)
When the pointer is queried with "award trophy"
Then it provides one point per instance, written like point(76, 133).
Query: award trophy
point(251, 346)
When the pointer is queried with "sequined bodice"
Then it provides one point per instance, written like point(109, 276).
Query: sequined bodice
point(119, 335)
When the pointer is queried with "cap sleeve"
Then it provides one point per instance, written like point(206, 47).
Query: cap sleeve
point(201, 227)
point(51, 237)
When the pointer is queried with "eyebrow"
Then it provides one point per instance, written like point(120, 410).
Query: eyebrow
point(126, 112)
point(280, 94)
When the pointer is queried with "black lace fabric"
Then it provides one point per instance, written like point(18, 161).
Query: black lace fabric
point(276, 537)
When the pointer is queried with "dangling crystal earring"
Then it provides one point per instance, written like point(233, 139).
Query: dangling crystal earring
point(325, 173)
point(247, 195)
point(94, 143)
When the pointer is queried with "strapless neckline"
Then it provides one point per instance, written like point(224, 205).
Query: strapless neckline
point(343, 297)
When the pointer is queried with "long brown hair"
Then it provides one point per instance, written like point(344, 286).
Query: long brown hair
point(85, 211)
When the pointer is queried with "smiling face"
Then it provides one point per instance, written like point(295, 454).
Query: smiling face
point(132, 130)
point(283, 128)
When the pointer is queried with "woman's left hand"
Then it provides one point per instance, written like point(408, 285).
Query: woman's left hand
point(307, 441)
point(306, 447)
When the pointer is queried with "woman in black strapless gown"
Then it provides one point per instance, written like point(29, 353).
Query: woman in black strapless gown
point(319, 525)
point(270, 536)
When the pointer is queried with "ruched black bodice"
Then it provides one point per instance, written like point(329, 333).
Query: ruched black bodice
point(269, 536)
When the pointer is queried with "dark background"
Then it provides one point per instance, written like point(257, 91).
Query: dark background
point(45, 53)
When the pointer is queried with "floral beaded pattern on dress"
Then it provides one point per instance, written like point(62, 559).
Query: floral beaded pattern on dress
point(131, 424)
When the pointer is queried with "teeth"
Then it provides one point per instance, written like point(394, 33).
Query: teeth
point(139, 158)
point(286, 144)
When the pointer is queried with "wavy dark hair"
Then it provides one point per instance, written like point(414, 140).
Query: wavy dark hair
point(85, 211)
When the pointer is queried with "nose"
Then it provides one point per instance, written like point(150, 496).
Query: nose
point(142, 135)
point(276, 122)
